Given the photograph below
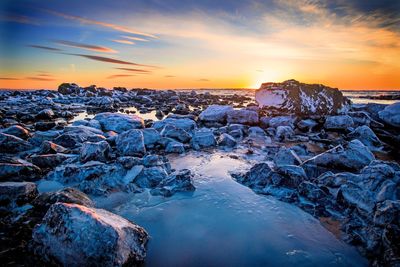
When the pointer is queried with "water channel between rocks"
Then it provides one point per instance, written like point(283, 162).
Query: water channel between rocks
point(226, 224)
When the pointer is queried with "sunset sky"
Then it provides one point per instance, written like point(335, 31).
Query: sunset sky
point(199, 44)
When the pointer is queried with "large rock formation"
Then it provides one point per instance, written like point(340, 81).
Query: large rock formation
point(293, 97)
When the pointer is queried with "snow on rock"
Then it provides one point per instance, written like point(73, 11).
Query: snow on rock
point(75, 235)
point(293, 97)
point(243, 116)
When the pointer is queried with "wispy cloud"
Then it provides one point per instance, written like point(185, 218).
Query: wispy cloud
point(18, 19)
point(40, 79)
point(120, 76)
point(134, 38)
point(122, 41)
point(48, 48)
point(100, 23)
point(169, 76)
point(9, 78)
point(203, 80)
point(135, 70)
point(90, 47)
point(109, 60)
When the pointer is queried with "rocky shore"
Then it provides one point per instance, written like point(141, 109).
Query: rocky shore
point(332, 158)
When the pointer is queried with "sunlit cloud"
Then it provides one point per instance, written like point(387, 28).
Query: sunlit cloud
point(48, 48)
point(100, 23)
point(9, 79)
point(135, 70)
point(40, 79)
point(134, 38)
point(119, 76)
point(90, 47)
point(203, 80)
point(122, 41)
point(169, 76)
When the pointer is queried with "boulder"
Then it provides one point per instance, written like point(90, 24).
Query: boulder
point(175, 147)
point(12, 144)
point(340, 122)
point(18, 131)
point(286, 156)
point(46, 114)
point(367, 137)
point(131, 143)
point(277, 121)
point(215, 113)
point(352, 156)
point(293, 175)
point(185, 124)
point(150, 177)
point(258, 176)
point(75, 235)
point(17, 169)
point(203, 138)
point(226, 140)
point(180, 181)
point(284, 133)
point(151, 137)
point(119, 122)
point(68, 88)
point(307, 125)
point(391, 115)
point(293, 97)
point(49, 160)
point(242, 116)
point(100, 151)
point(176, 133)
point(17, 193)
point(48, 147)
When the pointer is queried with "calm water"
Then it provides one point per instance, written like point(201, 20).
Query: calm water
point(226, 224)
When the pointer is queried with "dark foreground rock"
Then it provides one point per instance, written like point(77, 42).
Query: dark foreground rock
point(74, 235)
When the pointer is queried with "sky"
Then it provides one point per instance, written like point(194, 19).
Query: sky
point(199, 43)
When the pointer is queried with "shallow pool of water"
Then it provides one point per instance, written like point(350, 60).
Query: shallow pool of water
point(226, 224)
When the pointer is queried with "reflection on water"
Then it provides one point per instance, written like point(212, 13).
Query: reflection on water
point(226, 224)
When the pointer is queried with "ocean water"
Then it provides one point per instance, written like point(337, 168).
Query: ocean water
point(224, 223)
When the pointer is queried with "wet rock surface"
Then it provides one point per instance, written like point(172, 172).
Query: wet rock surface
point(314, 148)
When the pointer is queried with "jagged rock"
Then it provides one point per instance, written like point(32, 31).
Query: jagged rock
point(44, 125)
point(203, 138)
point(131, 143)
point(284, 133)
point(150, 177)
point(387, 212)
point(277, 121)
point(226, 140)
point(286, 156)
point(352, 156)
point(13, 144)
point(39, 136)
point(100, 151)
point(49, 147)
point(16, 193)
point(294, 97)
point(367, 137)
point(176, 133)
point(215, 113)
point(340, 122)
point(256, 131)
point(119, 122)
point(49, 160)
point(293, 175)
point(391, 115)
point(75, 235)
point(151, 137)
point(258, 176)
point(180, 181)
point(175, 147)
point(88, 123)
point(18, 131)
point(311, 191)
point(242, 116)
point(17, 169)
point(351, 195)
point(66, 195)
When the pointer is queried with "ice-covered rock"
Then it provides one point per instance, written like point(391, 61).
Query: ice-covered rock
point(294, 97)
point(307, 125)
point(13, 144)
point(175, 147)
point(367, 137)
point(17, 169)
point(286, 156)
point(391, 115)
point(49, 160)
point(185, 124)
point(179, 181)
point(68, 88)
point(284, 133)
point(150, 177)
point(119, 122)
point(226, 140)
point(99, 151)
point(131, 143)
point(45, 114)
point(339, 122)
point(242, 116)
point(18, 131)
point(151, 137)
point(352, 156)
point(75, 235)
point(176, 133)
point(215, 113)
